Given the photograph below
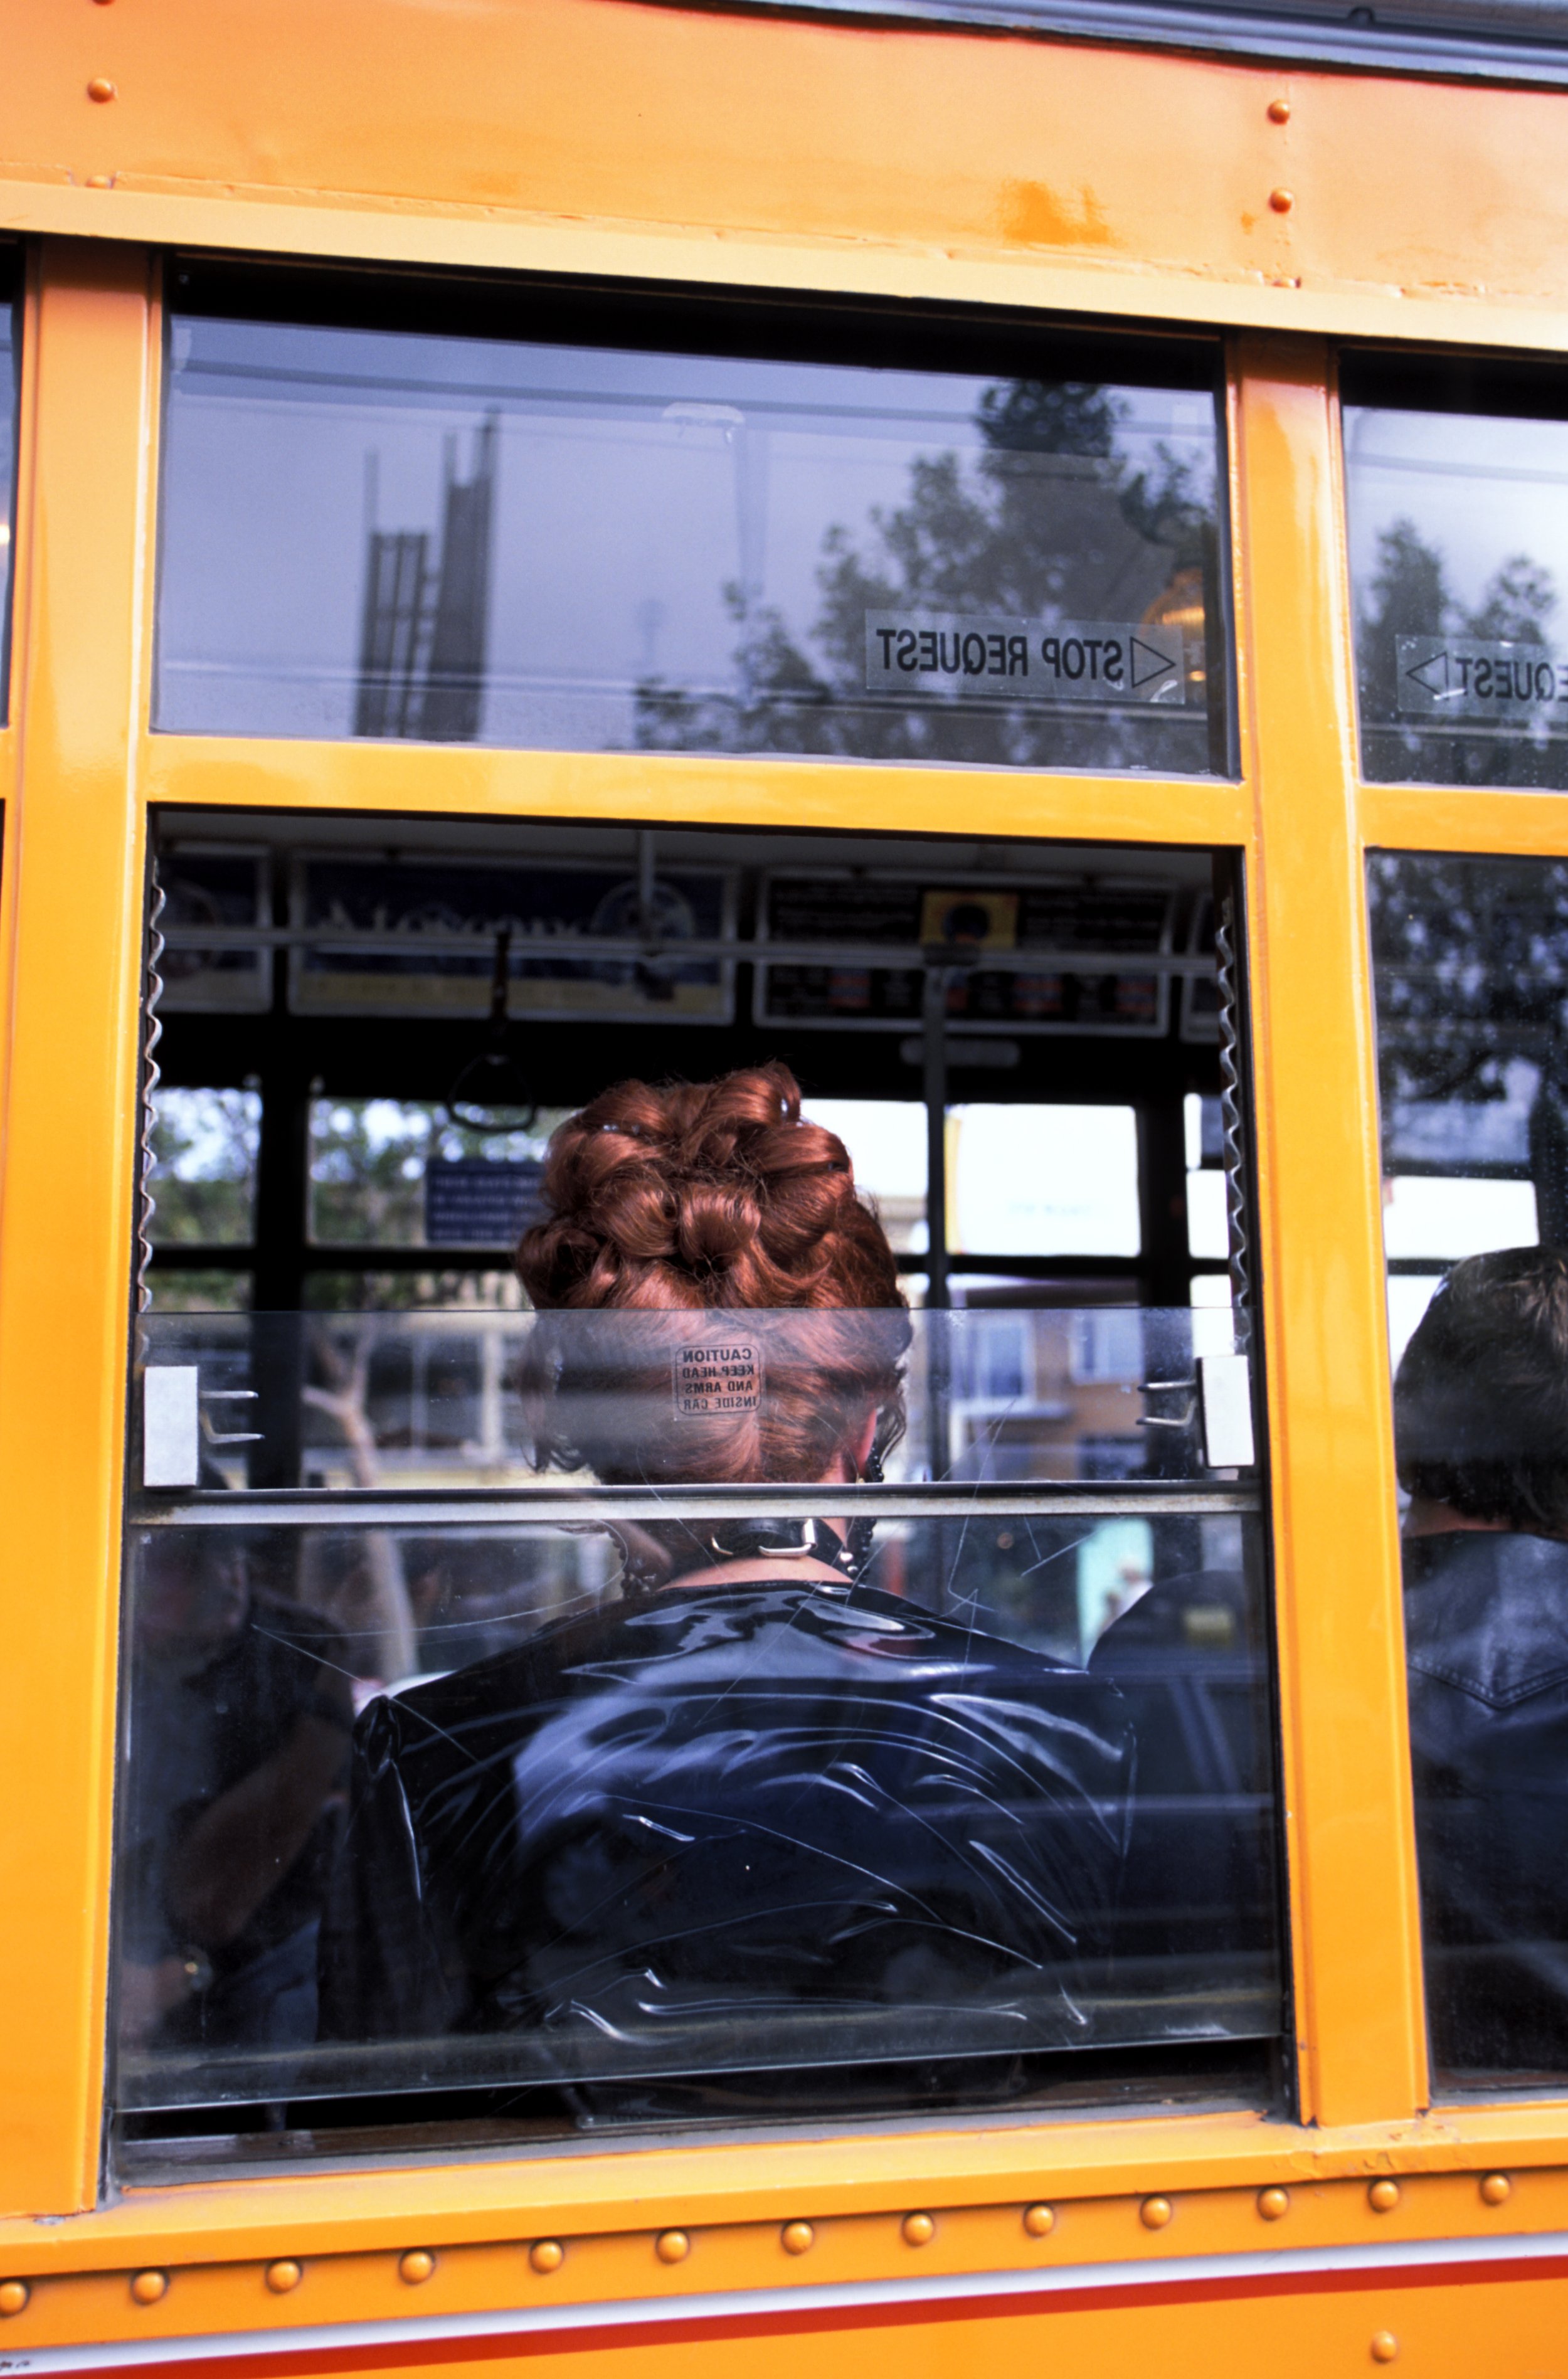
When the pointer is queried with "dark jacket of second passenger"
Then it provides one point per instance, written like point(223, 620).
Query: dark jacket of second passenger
point(1486, 1624)
point(764, 1800)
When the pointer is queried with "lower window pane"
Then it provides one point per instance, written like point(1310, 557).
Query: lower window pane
point(603, 1844)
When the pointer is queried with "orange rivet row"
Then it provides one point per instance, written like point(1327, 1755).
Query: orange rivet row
point(547, 2254)
point(1496, 2188)
point(148, 2286)
point(797, 2238)
point(14, 2295)
point(918, 2229)
point(1038, 2220)
point(415, 2266)
point(1154, 2212)
point(1274, 2203)
point(672, 2246)
point(1384, 2196)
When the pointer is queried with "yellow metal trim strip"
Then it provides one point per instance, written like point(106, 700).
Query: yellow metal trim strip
point(1348, 1808)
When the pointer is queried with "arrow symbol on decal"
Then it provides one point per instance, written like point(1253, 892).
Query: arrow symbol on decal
point(1160, 663)
point(1432, 661)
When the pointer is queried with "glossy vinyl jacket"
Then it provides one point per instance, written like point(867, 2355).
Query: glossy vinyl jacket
point(738, 1826)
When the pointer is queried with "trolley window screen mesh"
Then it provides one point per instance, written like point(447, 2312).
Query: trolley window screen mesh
point(757, 1655)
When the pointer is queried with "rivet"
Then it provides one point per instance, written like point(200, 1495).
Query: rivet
point(918, 2229)
point(416, 2266)
point(1038, 2220)
point(1281, 201)
point(547, 2254)
point(1385, 2346)
point(1384, 2196)
point(797, 2238)
point(14, 2295)
point(1154, 2212)
point(672, 2246)
point(1273, 2204)
point(148, 2286)
point(101, 181)
point(1279, 111)
point(282, 2277)
point(101, 89)
point(1496, 2188)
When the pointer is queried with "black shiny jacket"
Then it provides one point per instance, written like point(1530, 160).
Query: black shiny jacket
point(1486, 1624)
point(771, 1802)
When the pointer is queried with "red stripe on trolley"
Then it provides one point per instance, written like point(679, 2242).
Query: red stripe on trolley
point(398, 2352)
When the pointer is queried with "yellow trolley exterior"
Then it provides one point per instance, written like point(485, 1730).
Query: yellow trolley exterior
point(1289, 206)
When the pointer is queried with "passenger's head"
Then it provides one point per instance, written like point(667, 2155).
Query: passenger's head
point(1481, 1396)
point(672, 1210)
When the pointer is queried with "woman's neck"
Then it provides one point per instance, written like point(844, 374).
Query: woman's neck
point(758, 1569)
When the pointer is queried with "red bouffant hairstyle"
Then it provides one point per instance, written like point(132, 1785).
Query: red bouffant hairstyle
point(673, 1208)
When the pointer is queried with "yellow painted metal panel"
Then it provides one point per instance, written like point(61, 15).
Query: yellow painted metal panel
point(704, 144)
point(1440, 817)
point(1349, 1820)
point(73, 850)
point(453, 780)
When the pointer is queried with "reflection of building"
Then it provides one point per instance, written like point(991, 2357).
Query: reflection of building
point(426, 620)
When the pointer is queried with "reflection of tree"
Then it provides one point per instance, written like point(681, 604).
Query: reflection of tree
point(1409, 595)
point(1472, 979)
point(1051, 521)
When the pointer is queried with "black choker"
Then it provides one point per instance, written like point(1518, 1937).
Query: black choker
point(780, 1540)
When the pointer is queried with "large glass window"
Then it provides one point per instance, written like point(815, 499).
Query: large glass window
point(993, 547)
point(1457, 484)
point(746, 1657)
point(1471, 960)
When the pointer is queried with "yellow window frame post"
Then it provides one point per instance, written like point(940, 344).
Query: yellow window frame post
point(1349, 1820)
point(74, 848)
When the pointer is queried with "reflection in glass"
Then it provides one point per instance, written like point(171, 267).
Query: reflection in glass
point(1471, 958)
point(445, 1397)
point(616, 1808)
point(461, 539)
point(1000, 1823)
point(1458, 543)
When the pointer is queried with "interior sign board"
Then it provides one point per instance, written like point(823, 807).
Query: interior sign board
point(848, 915)
point(1476, 677)
point(482, 1202)
point(968, 654)
point(406, 937)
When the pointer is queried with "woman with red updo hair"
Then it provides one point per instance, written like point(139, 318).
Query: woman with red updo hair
point(755, 1817)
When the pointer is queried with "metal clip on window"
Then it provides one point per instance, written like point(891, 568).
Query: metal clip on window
point(172, 1424)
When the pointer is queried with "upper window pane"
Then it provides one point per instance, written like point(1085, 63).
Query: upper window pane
point(1457, 481)
point(380, 533)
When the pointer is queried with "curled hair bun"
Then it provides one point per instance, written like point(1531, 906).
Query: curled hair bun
point(704, 1195)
